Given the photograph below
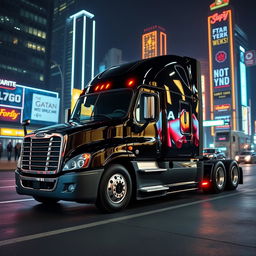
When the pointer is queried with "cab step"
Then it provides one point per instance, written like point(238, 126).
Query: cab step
point(153, 170)
point(154, 189)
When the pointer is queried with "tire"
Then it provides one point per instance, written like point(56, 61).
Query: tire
point(45, 200)
point(218, 179)
point(115, 189)
point(233, 176)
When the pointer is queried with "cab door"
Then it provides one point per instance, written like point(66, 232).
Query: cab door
point(146, 132)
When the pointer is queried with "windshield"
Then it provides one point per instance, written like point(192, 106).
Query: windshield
point(209, 150)
point(222, 136)
point(246, 153)
point(107, 105)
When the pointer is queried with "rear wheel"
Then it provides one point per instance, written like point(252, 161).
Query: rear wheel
point(45, 200)
point(219, 178)
point(233, 176)
point(115, 189)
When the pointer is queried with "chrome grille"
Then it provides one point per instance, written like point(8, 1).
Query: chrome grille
point(41, 154)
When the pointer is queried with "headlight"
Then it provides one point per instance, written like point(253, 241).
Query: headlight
point(210, 156)
point(247, 158)
point(237, 158)
point(78, 162)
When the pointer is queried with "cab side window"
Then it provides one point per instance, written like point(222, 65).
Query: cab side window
point(147, 108)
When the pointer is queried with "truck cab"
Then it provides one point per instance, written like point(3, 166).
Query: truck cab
point(135, 132)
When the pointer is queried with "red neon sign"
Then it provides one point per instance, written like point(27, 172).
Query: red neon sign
point(219, 17)
point(9, 114)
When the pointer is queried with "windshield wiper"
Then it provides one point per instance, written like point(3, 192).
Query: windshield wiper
point(74, 119)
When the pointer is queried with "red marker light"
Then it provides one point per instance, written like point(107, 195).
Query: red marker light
point(97, 88)
point(130, 82)
point(107, 86)
point(102, 87)
point(205, 183)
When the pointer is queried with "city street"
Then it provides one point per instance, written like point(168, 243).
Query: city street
point(180, 224)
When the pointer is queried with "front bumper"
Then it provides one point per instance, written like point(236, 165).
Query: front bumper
point(85, 186)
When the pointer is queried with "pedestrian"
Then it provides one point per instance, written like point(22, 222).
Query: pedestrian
point(9, 151)
point(1, 149)
point(16, 151)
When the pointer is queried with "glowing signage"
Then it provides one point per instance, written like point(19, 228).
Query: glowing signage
point(45, 108)
point(154, 42)
point(250, 58)
point(219, 17)
point(221, 64)
point(75, 95)
point(219, 4)
point(16, 103)
point(12, 132)
point(210, 123)
point(7, 84)
point(223, 107)
point(10, 114)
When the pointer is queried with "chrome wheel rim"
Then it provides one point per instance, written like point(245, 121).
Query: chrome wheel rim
point(117, 188)
point(220, 177)
point(234, 175)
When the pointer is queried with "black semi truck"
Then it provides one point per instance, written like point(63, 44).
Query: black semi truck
point(135, 132)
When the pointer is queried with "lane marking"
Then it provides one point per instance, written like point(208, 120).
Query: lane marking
point(8, 187)
point(104, 222)
point(16, 201)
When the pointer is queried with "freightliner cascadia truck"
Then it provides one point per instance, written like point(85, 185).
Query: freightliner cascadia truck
point(135, 133)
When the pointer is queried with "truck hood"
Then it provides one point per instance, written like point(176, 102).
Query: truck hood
point(70, 128)
point(89, 137)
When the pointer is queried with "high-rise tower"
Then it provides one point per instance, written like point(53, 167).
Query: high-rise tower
point(154, 42)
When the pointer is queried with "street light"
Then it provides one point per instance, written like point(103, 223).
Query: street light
point(56, 65)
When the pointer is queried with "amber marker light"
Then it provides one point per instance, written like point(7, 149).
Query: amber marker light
point(96, 88)
point(130, 148)
point(102, 87)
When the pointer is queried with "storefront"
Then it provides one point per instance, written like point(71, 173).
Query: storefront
point(19, 103)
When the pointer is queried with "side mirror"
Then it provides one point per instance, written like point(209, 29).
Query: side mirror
point(67, 114)
point(24, 124)
point(149, 108)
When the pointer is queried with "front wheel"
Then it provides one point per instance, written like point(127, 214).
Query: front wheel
point(115, 189)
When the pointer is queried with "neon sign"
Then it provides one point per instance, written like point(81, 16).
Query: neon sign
point(221, 64)
point(10, 114)
point(7, 84)
point(219, 17)
point(219, 4)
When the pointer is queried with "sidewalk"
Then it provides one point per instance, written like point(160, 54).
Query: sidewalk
point(6, 165)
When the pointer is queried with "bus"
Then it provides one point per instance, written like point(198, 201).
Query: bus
point(232, 142)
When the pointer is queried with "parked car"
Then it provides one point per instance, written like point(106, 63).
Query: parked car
point(214, 153)
point(246, 157)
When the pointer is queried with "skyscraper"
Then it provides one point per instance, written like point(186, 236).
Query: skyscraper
point(154, 42)
point(24, 41)
point(112, 58)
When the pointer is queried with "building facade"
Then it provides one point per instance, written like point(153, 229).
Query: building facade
point(24, 41)
point(154, 42)
point(73, 50)
point(229, 84)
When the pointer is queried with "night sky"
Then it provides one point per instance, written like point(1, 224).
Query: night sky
point(120, 24)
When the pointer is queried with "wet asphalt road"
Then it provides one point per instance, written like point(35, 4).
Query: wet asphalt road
point(180, 224)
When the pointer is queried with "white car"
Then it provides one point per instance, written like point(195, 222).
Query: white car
point(246, 157)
